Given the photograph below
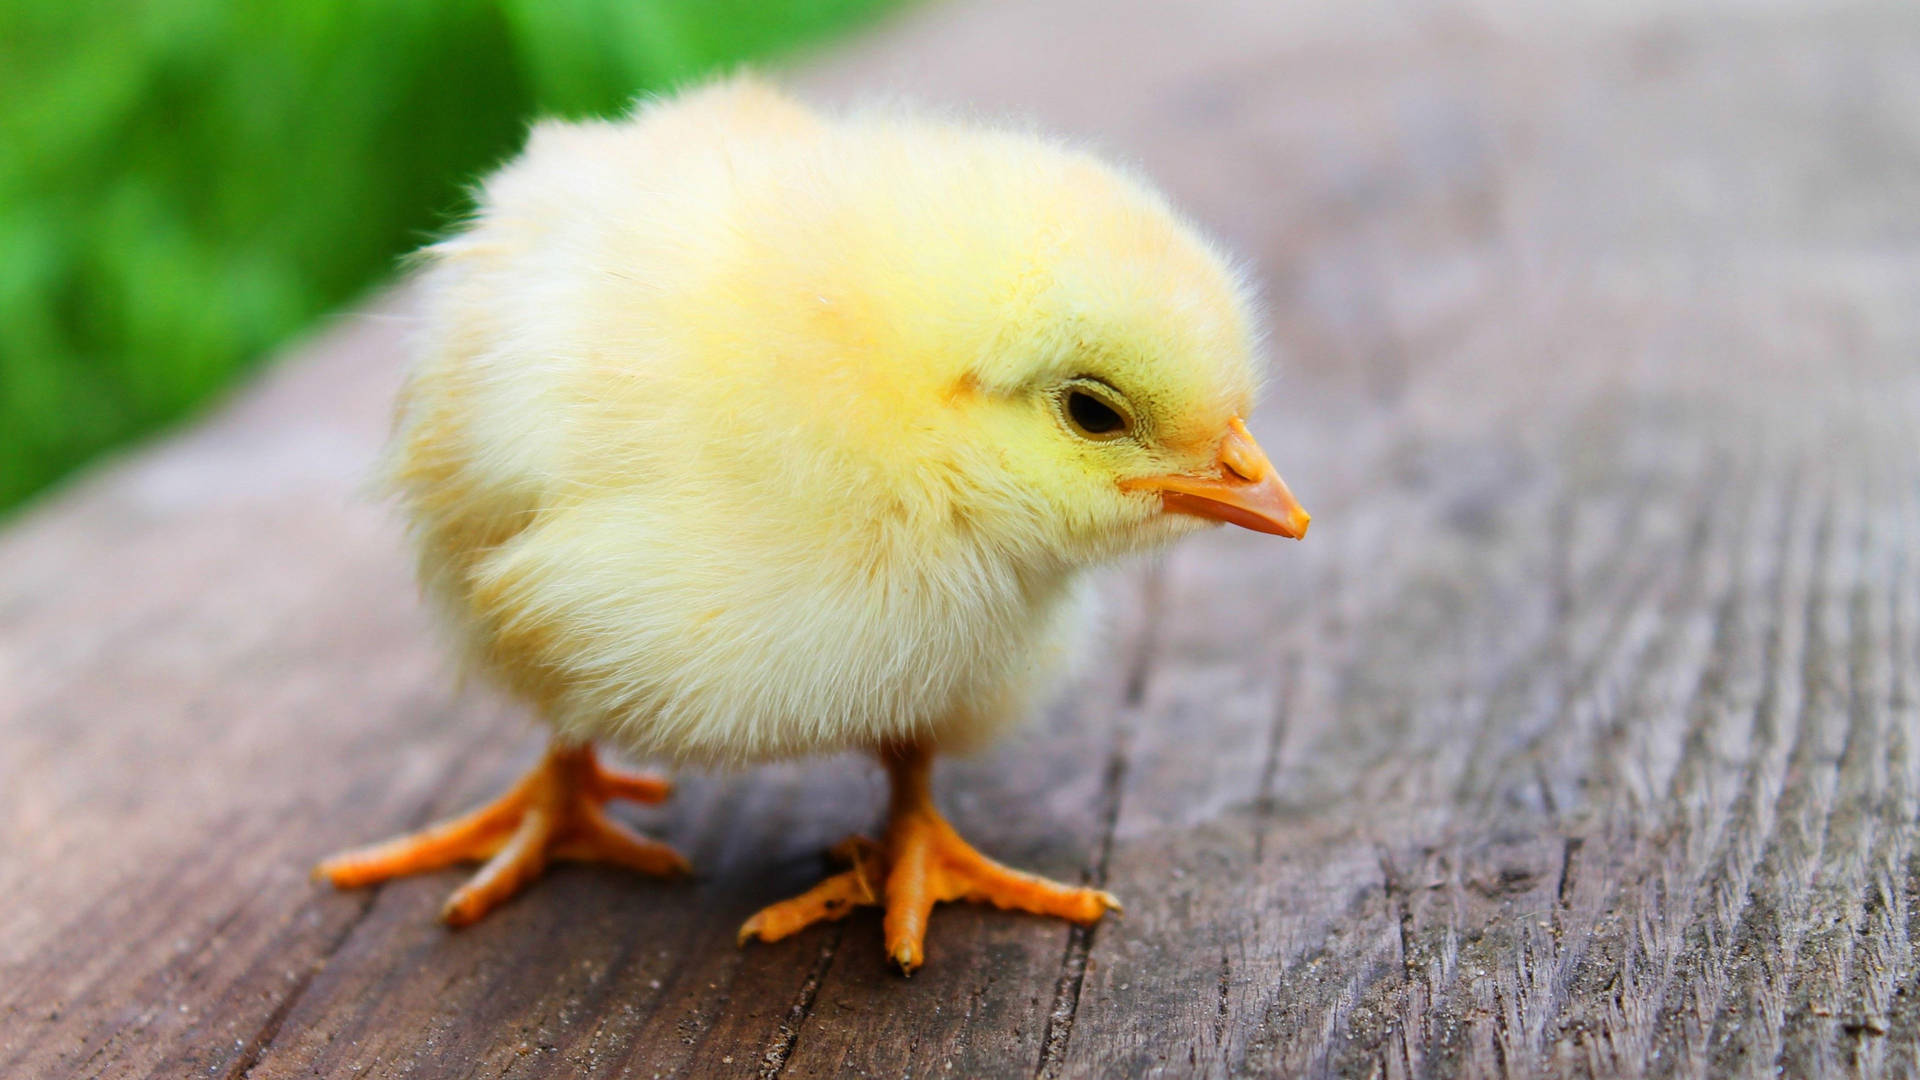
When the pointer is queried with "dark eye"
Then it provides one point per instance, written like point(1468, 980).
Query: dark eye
point(1094, 413)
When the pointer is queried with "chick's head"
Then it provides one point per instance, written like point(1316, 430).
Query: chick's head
point(980, 334)
point(1051, 359)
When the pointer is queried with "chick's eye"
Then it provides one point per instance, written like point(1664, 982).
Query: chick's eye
point(1093, 417)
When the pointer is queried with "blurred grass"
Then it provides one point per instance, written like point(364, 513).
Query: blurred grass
point(185, 183)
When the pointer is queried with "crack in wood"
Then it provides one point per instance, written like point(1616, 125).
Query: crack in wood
point(773, 1061)
point(1221, 1011)
point(270, 1028)
point(1569, 850)
point(1265, 802)
point(1073, 965)
point(1073, 962)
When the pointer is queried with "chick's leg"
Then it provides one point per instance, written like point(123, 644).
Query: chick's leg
point(552, 812)
point(921, 862)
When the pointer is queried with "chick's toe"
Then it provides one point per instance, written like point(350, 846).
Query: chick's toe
point(921, 862)
point(555, 811)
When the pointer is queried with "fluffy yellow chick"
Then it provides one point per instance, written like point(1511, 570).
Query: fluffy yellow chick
point(741, 432)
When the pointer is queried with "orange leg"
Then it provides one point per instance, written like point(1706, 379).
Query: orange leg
point(921, 862)
point(552, 812)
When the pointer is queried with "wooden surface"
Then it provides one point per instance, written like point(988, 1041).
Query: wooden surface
point(1582, 737)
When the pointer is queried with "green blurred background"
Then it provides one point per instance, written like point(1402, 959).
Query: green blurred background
point(186, 183)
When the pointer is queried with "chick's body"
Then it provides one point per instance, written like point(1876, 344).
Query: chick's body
point(738, 431)
point(677, 471)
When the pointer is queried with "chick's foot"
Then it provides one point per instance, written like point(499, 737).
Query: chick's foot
point(922, 862)
point(555, 811)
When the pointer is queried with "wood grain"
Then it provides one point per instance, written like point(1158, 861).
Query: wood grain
point(1579, 739)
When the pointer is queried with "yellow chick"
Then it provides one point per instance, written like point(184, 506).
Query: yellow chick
point(741, 432)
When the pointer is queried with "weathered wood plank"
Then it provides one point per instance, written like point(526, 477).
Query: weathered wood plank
point(1579, 739)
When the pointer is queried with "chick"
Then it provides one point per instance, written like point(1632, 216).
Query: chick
point(740, 432)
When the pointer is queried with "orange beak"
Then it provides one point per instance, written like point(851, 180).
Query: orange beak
point(1244, 490)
